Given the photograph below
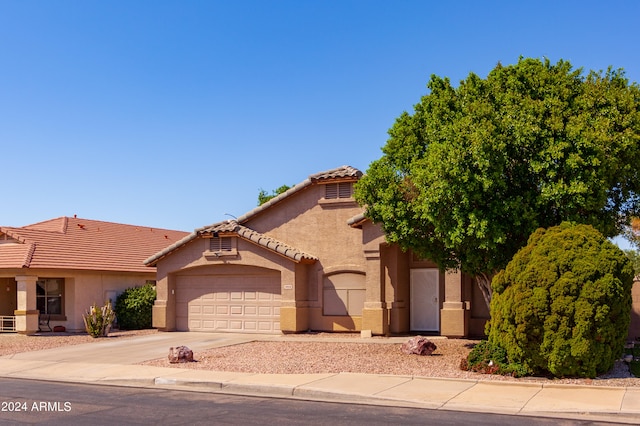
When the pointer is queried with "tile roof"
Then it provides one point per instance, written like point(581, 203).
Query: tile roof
point(82, 244)
point(357, 220)
point(232, 227)
point(338, 173)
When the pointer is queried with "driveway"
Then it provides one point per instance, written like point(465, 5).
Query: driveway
point(137, 349)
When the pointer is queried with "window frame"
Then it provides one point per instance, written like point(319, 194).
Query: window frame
point(43, 300)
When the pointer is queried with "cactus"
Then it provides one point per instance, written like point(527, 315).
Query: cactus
point(98, 320)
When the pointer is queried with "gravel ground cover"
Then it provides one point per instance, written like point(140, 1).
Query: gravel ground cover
point(319, 353)
point(12, 343)
point(323, 354)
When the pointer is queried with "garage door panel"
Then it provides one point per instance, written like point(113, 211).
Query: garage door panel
point(228, 303)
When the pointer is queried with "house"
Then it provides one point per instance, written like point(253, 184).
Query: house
point(308, 259)
point(56, 269)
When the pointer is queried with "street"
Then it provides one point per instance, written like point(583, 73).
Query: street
point(34, 402)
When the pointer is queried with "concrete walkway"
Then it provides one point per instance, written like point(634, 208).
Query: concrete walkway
point(113, 362)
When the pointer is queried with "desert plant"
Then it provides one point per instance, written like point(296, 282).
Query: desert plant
point(134, 307)
point(98, 320)
point(562, 305)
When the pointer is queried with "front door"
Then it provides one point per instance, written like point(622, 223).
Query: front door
point(425, 299)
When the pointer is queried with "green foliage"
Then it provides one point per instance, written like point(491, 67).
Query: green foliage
point(488, 358)
point(98, 320)
point(634, 365)
point(634, 257)
point(134, 307)
point(562, 305)
point(264, 196)
point(476, 169)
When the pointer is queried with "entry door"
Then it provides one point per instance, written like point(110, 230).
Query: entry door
point(425, 299)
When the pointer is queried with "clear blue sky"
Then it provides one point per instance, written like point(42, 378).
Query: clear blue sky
point(173, 113)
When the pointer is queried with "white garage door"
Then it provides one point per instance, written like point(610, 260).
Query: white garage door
point(249, 304)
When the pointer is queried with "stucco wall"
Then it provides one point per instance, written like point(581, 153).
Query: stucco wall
point(83, 288)
point(634, 327)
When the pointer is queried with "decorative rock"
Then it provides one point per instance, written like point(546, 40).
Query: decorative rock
point(180, 354)
point(418, 345)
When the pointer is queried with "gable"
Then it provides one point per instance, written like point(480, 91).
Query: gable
point(319, 205)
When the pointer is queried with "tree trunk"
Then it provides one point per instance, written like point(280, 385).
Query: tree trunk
point(484, 283)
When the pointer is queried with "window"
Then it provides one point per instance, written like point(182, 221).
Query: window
point(338, 190)
point(49, 295)
point(218, 244)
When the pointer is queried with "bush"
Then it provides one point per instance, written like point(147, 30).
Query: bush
point(134, 307)
point(488, 358)
point(562, 305)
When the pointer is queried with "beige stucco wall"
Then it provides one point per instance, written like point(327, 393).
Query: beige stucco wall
point(304, 221)
point(634, 327)
point(82, 289)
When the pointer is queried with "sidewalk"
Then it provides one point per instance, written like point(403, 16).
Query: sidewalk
point(87, 363)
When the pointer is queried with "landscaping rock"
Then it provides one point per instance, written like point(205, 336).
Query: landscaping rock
point(180, 354)
point(418, 345)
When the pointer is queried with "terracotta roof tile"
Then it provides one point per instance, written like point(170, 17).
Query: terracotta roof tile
point(357, 220)
point(74, 243)
point(232, 227)
point(15, 255)
point(340, 172)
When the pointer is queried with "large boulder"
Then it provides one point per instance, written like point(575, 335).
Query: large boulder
point(418, 345)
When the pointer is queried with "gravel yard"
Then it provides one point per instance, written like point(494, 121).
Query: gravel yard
point(322, 353)
point(11, 343)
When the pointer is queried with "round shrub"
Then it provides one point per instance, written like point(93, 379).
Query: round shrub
point(134, 307)
point(562, 305)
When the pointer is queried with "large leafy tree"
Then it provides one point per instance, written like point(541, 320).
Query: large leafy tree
point(467, 177)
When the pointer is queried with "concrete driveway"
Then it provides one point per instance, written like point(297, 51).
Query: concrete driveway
point(137, 349)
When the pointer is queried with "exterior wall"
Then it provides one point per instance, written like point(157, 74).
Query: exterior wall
point(192, 259)
point(317, 226)
point(634, 327)
point(479, 310)
point(82, 289)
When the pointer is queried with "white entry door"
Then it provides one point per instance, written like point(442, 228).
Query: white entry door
point(425, 299)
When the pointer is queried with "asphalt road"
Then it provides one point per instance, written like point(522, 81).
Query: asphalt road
point(36, 402)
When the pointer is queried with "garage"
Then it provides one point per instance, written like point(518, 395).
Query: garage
point(231, 303)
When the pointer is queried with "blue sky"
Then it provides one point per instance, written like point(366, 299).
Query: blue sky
point(172, 114)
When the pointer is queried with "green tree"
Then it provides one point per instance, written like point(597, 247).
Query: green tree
point(476, 169)
point(264, 196)
point(562, 305)
point(634, 257)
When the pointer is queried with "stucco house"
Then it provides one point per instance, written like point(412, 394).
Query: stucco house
point(58, 268)
point(308, 259)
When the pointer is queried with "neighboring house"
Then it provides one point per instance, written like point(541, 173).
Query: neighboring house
point(57, 269)
point(308, 259)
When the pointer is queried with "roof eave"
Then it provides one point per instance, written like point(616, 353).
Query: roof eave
point(153, 260)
